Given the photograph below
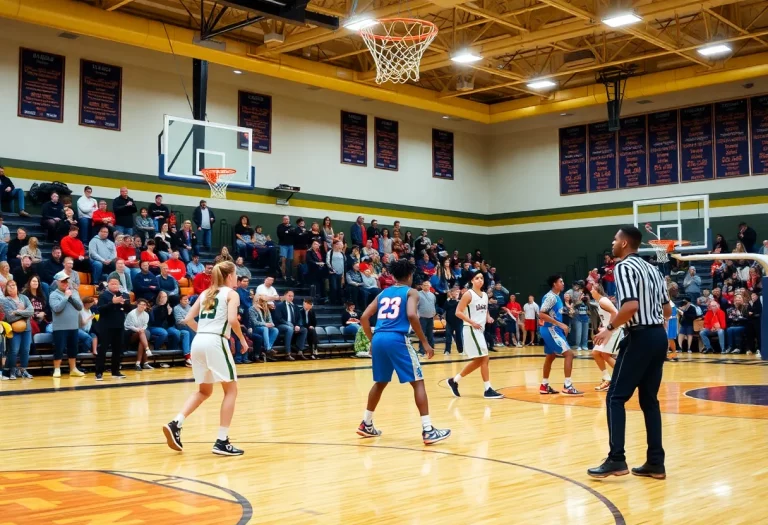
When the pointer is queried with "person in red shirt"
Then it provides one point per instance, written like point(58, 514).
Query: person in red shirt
point(714, 323)
point(72, 246)
point(150, 256)
point(386, 279)
point(102, 217)
point(176, 267)
point(514, 310)
point(202, 281)
point(126, 251)
point(609, 281)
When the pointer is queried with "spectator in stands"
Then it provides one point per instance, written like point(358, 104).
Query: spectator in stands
point(124, 209)
point(408, 242)
point(754, 333)
point(335, 260)
point(244, 237)
point(102, 217)
point(453, 325)
point(692, 283)
point(350, 320)
point(62, 228)
point(425, 265)
point(41, 316)
point(151, 257)
point(714, 323)
point(224, 255)
point(386, 279)
point(15, 246)
point(261, 322)
point(358, 233)
point(301, 243)
point(688, 314)
point(385, 242)
point(717, 295)
point(581, 323)
point(32, 250)
point(763, 248)
point(285, 238)
point(9, 192)
point(163, 242)
point(747, 236)
point(531, 310)
point(368, 251)
point(265, 249)
point(5, 276)
point(309, 321)
point(66, 306)
point(112, 306)
point(202, 281)
point(52, 215)
point(354, 287)
point(136, 324)
point(241, 269)
point(721, 244)
point(204, 218)
point(328, 235)
point(373, 234)
point(51, 266)
point(180, 312)
point(513, 311)
point(5, 238)
point(754, 282)
point(145, 283)
point(103, 254)
point(316, 269)
point(268, 292)
point(126, 251)
point(166, 283)
point(427, 312)
point(123, 275)
point(246, 300)
point(22, 274)
point(144, 225)
point(370, 285)
point(289, 323)
point(186, 241)
point(86, 333)
point(421, 244)
point(195, 267)
point(86, 207)
point(159, 212)
point(72, 246)
point(606, 272)
point(18, 311)
point(737, 319)
point(354, 257)
point(703, 300)
point(162, 326)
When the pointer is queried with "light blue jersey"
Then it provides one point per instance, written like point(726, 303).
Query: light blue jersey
point(392, 311)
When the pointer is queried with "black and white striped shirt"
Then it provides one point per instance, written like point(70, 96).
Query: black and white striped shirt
point(638, 280)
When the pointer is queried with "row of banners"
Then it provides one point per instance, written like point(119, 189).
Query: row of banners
point(712, 141)
point(41, 96)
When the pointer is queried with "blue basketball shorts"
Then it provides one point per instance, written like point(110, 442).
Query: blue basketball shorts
point(554, 340)
point(392, 352)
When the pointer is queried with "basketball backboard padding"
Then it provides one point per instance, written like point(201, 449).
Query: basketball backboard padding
point(188, 146)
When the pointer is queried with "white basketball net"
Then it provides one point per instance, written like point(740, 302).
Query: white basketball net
point(397, 45)
point(218, 181)
point(661, 254)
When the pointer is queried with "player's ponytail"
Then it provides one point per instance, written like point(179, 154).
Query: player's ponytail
point(218, 279)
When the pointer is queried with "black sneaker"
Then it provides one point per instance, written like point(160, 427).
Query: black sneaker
point(454, 386)
point(172, 433)
point(138, 368)
point(368, 431)
point(609, 468)
point(99, 377)
point(225, 448)
point(434, 435)
point(119, 376)
point(492, 394)
point(650, 471)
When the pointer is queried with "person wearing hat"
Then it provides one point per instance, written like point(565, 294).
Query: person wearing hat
point(421, 244)
point(65, 305)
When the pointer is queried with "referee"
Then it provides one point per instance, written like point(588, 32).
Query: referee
point(644, 302)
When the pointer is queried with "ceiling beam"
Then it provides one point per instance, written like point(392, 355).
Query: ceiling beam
point(734, 26)
point(493, 17)
point(112, 5)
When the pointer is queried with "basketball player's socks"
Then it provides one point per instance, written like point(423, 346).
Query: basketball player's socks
point(568, 382)
point(606, 375)
point(426, 422)
point(368, 418)
point(223, 433)
point(457, 378)
point(179, 419)
point(545, 381)
point(486, 385)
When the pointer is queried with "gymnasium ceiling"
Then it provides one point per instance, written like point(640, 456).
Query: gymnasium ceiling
point(519, 40)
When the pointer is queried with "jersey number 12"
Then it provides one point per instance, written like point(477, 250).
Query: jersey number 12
point(390, 308)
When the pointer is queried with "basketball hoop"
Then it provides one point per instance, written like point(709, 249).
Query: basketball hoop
point(397, 45)
point(218, 180)
point(663, 248)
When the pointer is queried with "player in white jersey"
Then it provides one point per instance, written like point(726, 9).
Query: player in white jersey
point(605, 353)
point(212, 360)
point(473, 310)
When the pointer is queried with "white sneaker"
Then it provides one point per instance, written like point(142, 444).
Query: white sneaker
point(149, 352)
point(57, 372)
point(75, 373)
point(518, 345)
point(188, 363)
point(758, 354)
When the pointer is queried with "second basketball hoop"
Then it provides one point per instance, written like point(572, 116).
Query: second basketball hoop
point(397, 45)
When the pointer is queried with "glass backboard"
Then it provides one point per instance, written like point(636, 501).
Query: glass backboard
point(683, 219)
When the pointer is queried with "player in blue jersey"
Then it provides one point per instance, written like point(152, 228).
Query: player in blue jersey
point(396, 312)
point(553, 334)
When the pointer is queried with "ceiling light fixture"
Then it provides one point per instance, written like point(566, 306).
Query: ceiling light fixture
point(356, 24)
point(621, 19)
point(446, 117)
point(714, 50)
point(465, 57)
point(541, 84)
point(237, 72)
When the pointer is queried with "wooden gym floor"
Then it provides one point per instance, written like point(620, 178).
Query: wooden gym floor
point(80, 452)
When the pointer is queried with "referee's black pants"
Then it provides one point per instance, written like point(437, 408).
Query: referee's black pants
point(639, 365)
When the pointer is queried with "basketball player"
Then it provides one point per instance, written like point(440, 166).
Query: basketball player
point(604, 353)
point(553, 333)
point(473, 310)
point(212, 361)
point(672, 333)
point(396, 310)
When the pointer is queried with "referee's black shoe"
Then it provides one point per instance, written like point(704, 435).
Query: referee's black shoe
point(650, 471)
point(609, 468)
